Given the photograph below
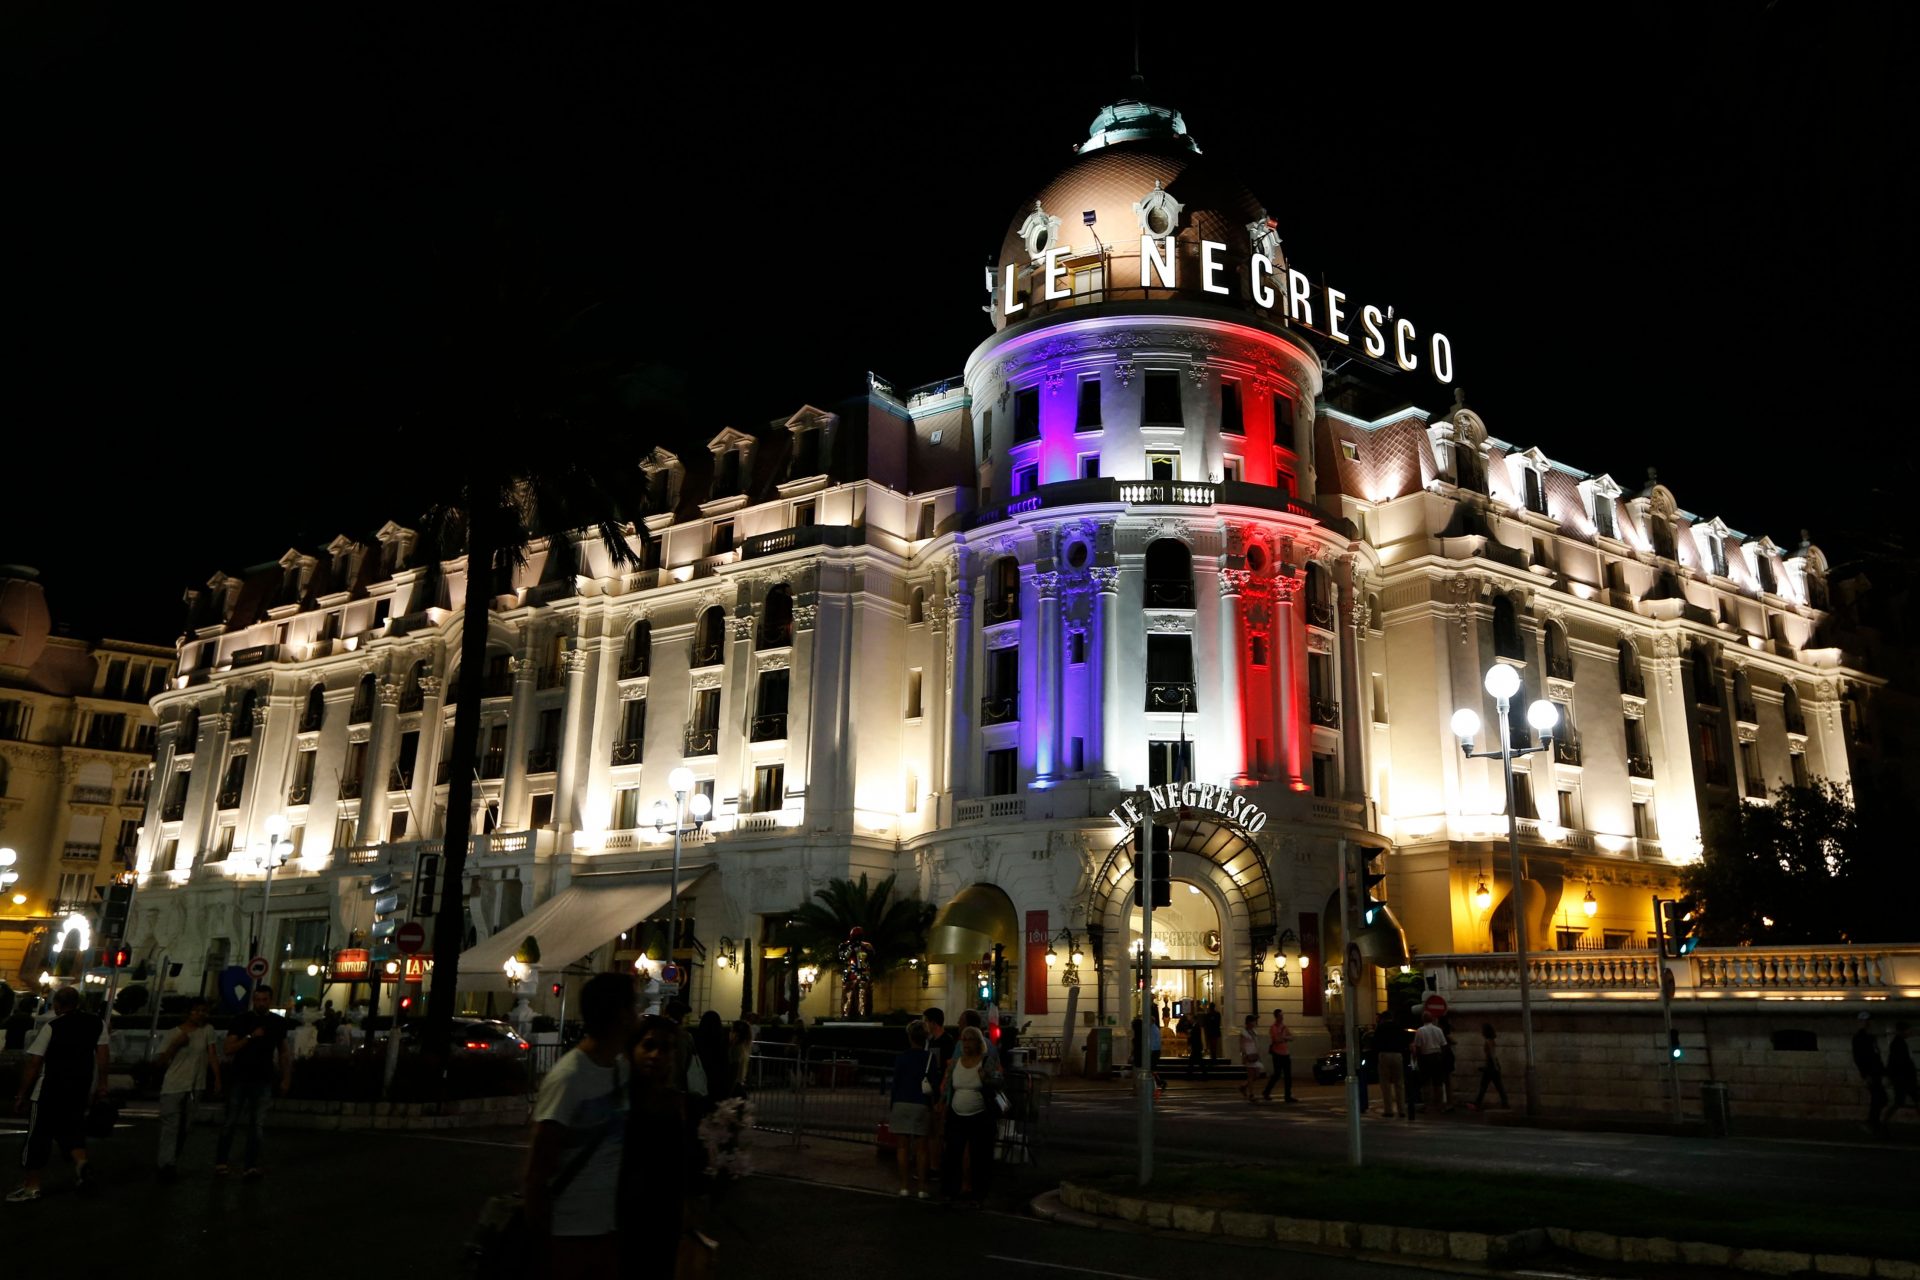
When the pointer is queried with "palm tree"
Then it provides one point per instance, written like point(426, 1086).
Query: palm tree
point(896, 926)
point(532, 430)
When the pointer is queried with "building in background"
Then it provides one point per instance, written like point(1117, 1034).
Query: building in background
point(1173, 527)
point(76, 758)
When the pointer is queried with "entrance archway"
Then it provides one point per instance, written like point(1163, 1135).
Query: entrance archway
point(1187, 945)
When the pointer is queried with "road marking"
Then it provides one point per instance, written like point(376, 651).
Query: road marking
point(1061, 1266)
point(471, 1142)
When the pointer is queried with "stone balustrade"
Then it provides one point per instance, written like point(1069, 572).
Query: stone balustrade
point(1865, 973)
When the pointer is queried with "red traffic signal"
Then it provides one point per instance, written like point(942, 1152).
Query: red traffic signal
point(115, 957)
point(406, 1002)
point(556, 988)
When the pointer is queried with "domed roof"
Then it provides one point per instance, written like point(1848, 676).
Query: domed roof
point(1139, 173)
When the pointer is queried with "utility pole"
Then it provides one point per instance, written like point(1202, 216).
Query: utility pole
point(1666, 1010)
point(1143, 880)
point(1349, 984)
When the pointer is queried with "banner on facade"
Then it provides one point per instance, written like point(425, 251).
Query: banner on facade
point(351, 965)
point(1035, 972)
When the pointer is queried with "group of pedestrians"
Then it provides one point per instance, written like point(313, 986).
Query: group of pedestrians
point(1414, 1058)
point(1896, 1071)
point(66, 1078)
point(1279, 1050)
point(948, 1095)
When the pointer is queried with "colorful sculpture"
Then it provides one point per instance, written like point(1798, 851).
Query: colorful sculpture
point(856, 969)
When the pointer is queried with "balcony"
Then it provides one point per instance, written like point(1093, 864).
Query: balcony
point(1640, 766)
point(777, 637)
point(412, 698)
point(173, 811)
point(136, 795)
point(1325, 713)
point(540, 760)
point(230, 798)
point(627, 751)
point(493, 763)
point(770, 728)
point(93, 795)
point(1171, 695)
point(349, 788)
point(498, 684)
point(312, 721)
point(813, 535)
point(702, 742)
point(1320, 614)
point(708, 655)
point(300, 793)
point(990, 807)
point(1566, 750)
point(1169, 595)
point(633, 666)
point(77, 851)
point(400, 779)
point(1004, 608)
point(1772, 974)
point(1000, 710)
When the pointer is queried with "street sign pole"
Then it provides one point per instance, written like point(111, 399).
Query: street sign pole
point(1143, 880)
point(1349, 988)
point(113, 944)
point(1666, 1010)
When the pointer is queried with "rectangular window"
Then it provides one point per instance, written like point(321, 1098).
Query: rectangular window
point(235, 779)
point(1379, 698)
point(1026, 479)
point(804, 514)
point(722, 537)
point(1169, 760)
point(633, 721)
point(910, 799)
point(1088, 415)
point(1003, 672)
point(1798, 760)
point(1089, 466)
point(356, 763)
point(397, 825)
point(1645, 826)
point(1536, 492)
point(1717, 547)
point(1322, 774)
point(1282, 418)
point(925, 527)
point(1163, 468)
point(769, 788)
point(913, 693)
point(1170, 673)
point(706, 710)
point(409, 755)
point(1603, 516)
point(1523, 806)
point(222, 843)
point(1349, 451)
point(1755, 780)
point(1003, 772)
point(1231, 422)
point(1026, 415)
point(542, 815)
point(169, 855)
point(1283, 481)
point(1713, 761)
point(626, 808)
point(1262, 756)
point(343, 831)
point(1077, 647)
point(1232, 470)
point(76, 888)
point(1077, 755)
point(1763, 570)
point(1569, 809)
point(1162, 405)
point(303, 774)
point(549, 733)
point(1257, 650)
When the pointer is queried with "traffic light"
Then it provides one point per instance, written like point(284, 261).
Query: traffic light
point(114, 909)
point(386, 906)
point(1371, 872)
point(1673, 1043)
point(406, 1002)
point(1162, 864)
point(1680, 925)
point(426, 886)
point(1381, 939)
point(556, 989)
point(118, 956)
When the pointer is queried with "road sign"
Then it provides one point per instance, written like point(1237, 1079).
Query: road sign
point(1353, 963)
point(410, 937)
point(257, 968)
point(1436, 1005)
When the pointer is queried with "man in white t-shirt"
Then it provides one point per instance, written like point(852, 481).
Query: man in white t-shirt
point(66, 1068)
point(1430, 1049)
point(189, 1056)
point(579, 1132)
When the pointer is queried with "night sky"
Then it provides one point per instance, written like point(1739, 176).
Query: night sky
point(1669, 236)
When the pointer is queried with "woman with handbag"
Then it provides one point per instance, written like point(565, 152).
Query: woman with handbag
point(972, 1099)
point(910, 1116)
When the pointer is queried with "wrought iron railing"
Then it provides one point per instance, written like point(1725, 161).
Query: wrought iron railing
point(702, 742)
point(995, 710)
point(769, 728)
point(399, 778)
point(1169, 594)
point(412, 698)
point(540, 760)
point(493, 762)
point(230, 798)
point(634, 665)
point(775, 637)
point(1640, 766)
point(350, 788)
point(312, 721)
point(173, 811)
point(1326, 713)
point(1560, 666)
point(299, 793)
point(1003, 608)
point(1170, 695)
point(80, 851)
point(627, 751)
point(708, 654)
point(1566, 750)
point(497, 685)
point(93, 795)
point(1320, 614)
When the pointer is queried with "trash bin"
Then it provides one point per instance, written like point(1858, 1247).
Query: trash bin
point(1098, 1060)
point(1715, 1103)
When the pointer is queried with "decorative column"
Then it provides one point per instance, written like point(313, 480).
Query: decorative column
point(203, 790)
point(1106, 635)
point(1351, 616)
point(381, 748)
point(1292, 720)
point(966, 707)
point(1049, 747)
point(940, 628)
point(566, 816)
point(735, 758)
point(513, 783)
point(800, 685)
point(426, 760)
point(1232, 724)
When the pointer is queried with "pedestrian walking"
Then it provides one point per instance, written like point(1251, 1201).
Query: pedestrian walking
point(1211, 1025)
point(661, 1159)
point(740, 1056)
point(1249, 1056)
point(1866, 1058)
point(968, 1094)
point(261, 1065)
point(677, 1011)
point(1390, 1058)
point(910, 1115)
point(1900, 1074)
point(579, 1133)
point(66, 1067)
point(711, 1069)
point(1188, 1029)
point(1153, 1055)
point(946, 1044)
point(1489, 1068)
point(190, 1057)
point(1280, 1046)
point(1430, 1051)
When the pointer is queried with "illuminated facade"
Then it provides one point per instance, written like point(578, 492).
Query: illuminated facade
point(1146, 538)
point(76, 751)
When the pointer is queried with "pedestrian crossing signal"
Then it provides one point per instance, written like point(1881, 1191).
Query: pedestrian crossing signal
point(1680, 925)
point(1673, 1043)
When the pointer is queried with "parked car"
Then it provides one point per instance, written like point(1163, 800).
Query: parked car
point(472, 1035)
point(1331, 1068)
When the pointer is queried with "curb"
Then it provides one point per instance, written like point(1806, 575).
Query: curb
point(1082, 1206)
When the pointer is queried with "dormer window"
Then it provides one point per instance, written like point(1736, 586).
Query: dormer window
point(726, 473)
point(1763, 571)
point(1603, 523)
point(1536, 491)
point(806, 454)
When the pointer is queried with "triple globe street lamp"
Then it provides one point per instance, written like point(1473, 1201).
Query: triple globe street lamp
point(686, 801)
point(1502, 683)
point(270, 857)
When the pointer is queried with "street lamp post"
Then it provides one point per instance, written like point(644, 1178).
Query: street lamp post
point(680, 782)
point(271, 858)
point(1503, 682)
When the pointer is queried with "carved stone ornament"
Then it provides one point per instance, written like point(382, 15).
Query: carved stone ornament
point(1124, 338)
point(803, 616)
point(1003, 637)
point(1196, 341)
point(1053, 380)
point(1123, 370)
point(1559, 690)
point(388, 692)
point(1359, 613)
point(633, 690)
point(740, 628)
point(1197, 371)
point(1008, 544)
point(1047, 585)
point(708, 679)
point(1747, 732)
point(1286, 587)
point(1234, 581)
point(430, 686)
point(773, 662)
point(1106, 579)
point(1319, 641)
point(1170, 623)
point(1663, 646)
point(575, 661)
point(713, 597)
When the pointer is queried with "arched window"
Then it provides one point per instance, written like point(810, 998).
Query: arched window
point(1506, 629)
point(1706, 675)
point(776, 618)
point(917, 607)
point(709, 638)
point(412, 695)
point(1376, 620)
point(1169, 575)
point(1629, 658)
point(1790, 709)
point(1319, 603)
point(637, 658)
point(1003, 590)
point(362, 701)
point(189, 733)
point(243, 718)
point(1559, 656)
point(1743, 708)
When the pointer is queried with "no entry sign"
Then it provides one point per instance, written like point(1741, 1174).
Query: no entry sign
point(410, 937)
point(1436, 1005)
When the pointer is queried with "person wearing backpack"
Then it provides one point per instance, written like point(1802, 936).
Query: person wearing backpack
point(917, 1074)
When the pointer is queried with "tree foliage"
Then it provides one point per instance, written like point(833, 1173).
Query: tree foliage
point(1814, 866)
point(895, 924)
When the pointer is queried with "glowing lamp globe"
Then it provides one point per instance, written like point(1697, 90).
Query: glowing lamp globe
point(1543, 716)
point(680, 781)
point(699, 806)
point(1466, 724)
point(1502, 681)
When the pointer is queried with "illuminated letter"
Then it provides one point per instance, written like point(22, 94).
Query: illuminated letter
point(1157, 796)
point(1208, 267)
point(1299, 305)
point(1239, 807)
point(1403, 330)
point(1334, 314)
point(1375, 344)
point(1224, 801)
point(1055, 271)
point(1442, 357)
point(1011, 306)
point(1262, 293)
point(1163, 267)
point(1255, 822)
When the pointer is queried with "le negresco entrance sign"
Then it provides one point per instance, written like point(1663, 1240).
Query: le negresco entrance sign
point(1204, 796)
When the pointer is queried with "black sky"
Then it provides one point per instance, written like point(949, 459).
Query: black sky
point(1671, 235)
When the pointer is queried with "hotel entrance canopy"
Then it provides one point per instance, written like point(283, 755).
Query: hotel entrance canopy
point(578, 920)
